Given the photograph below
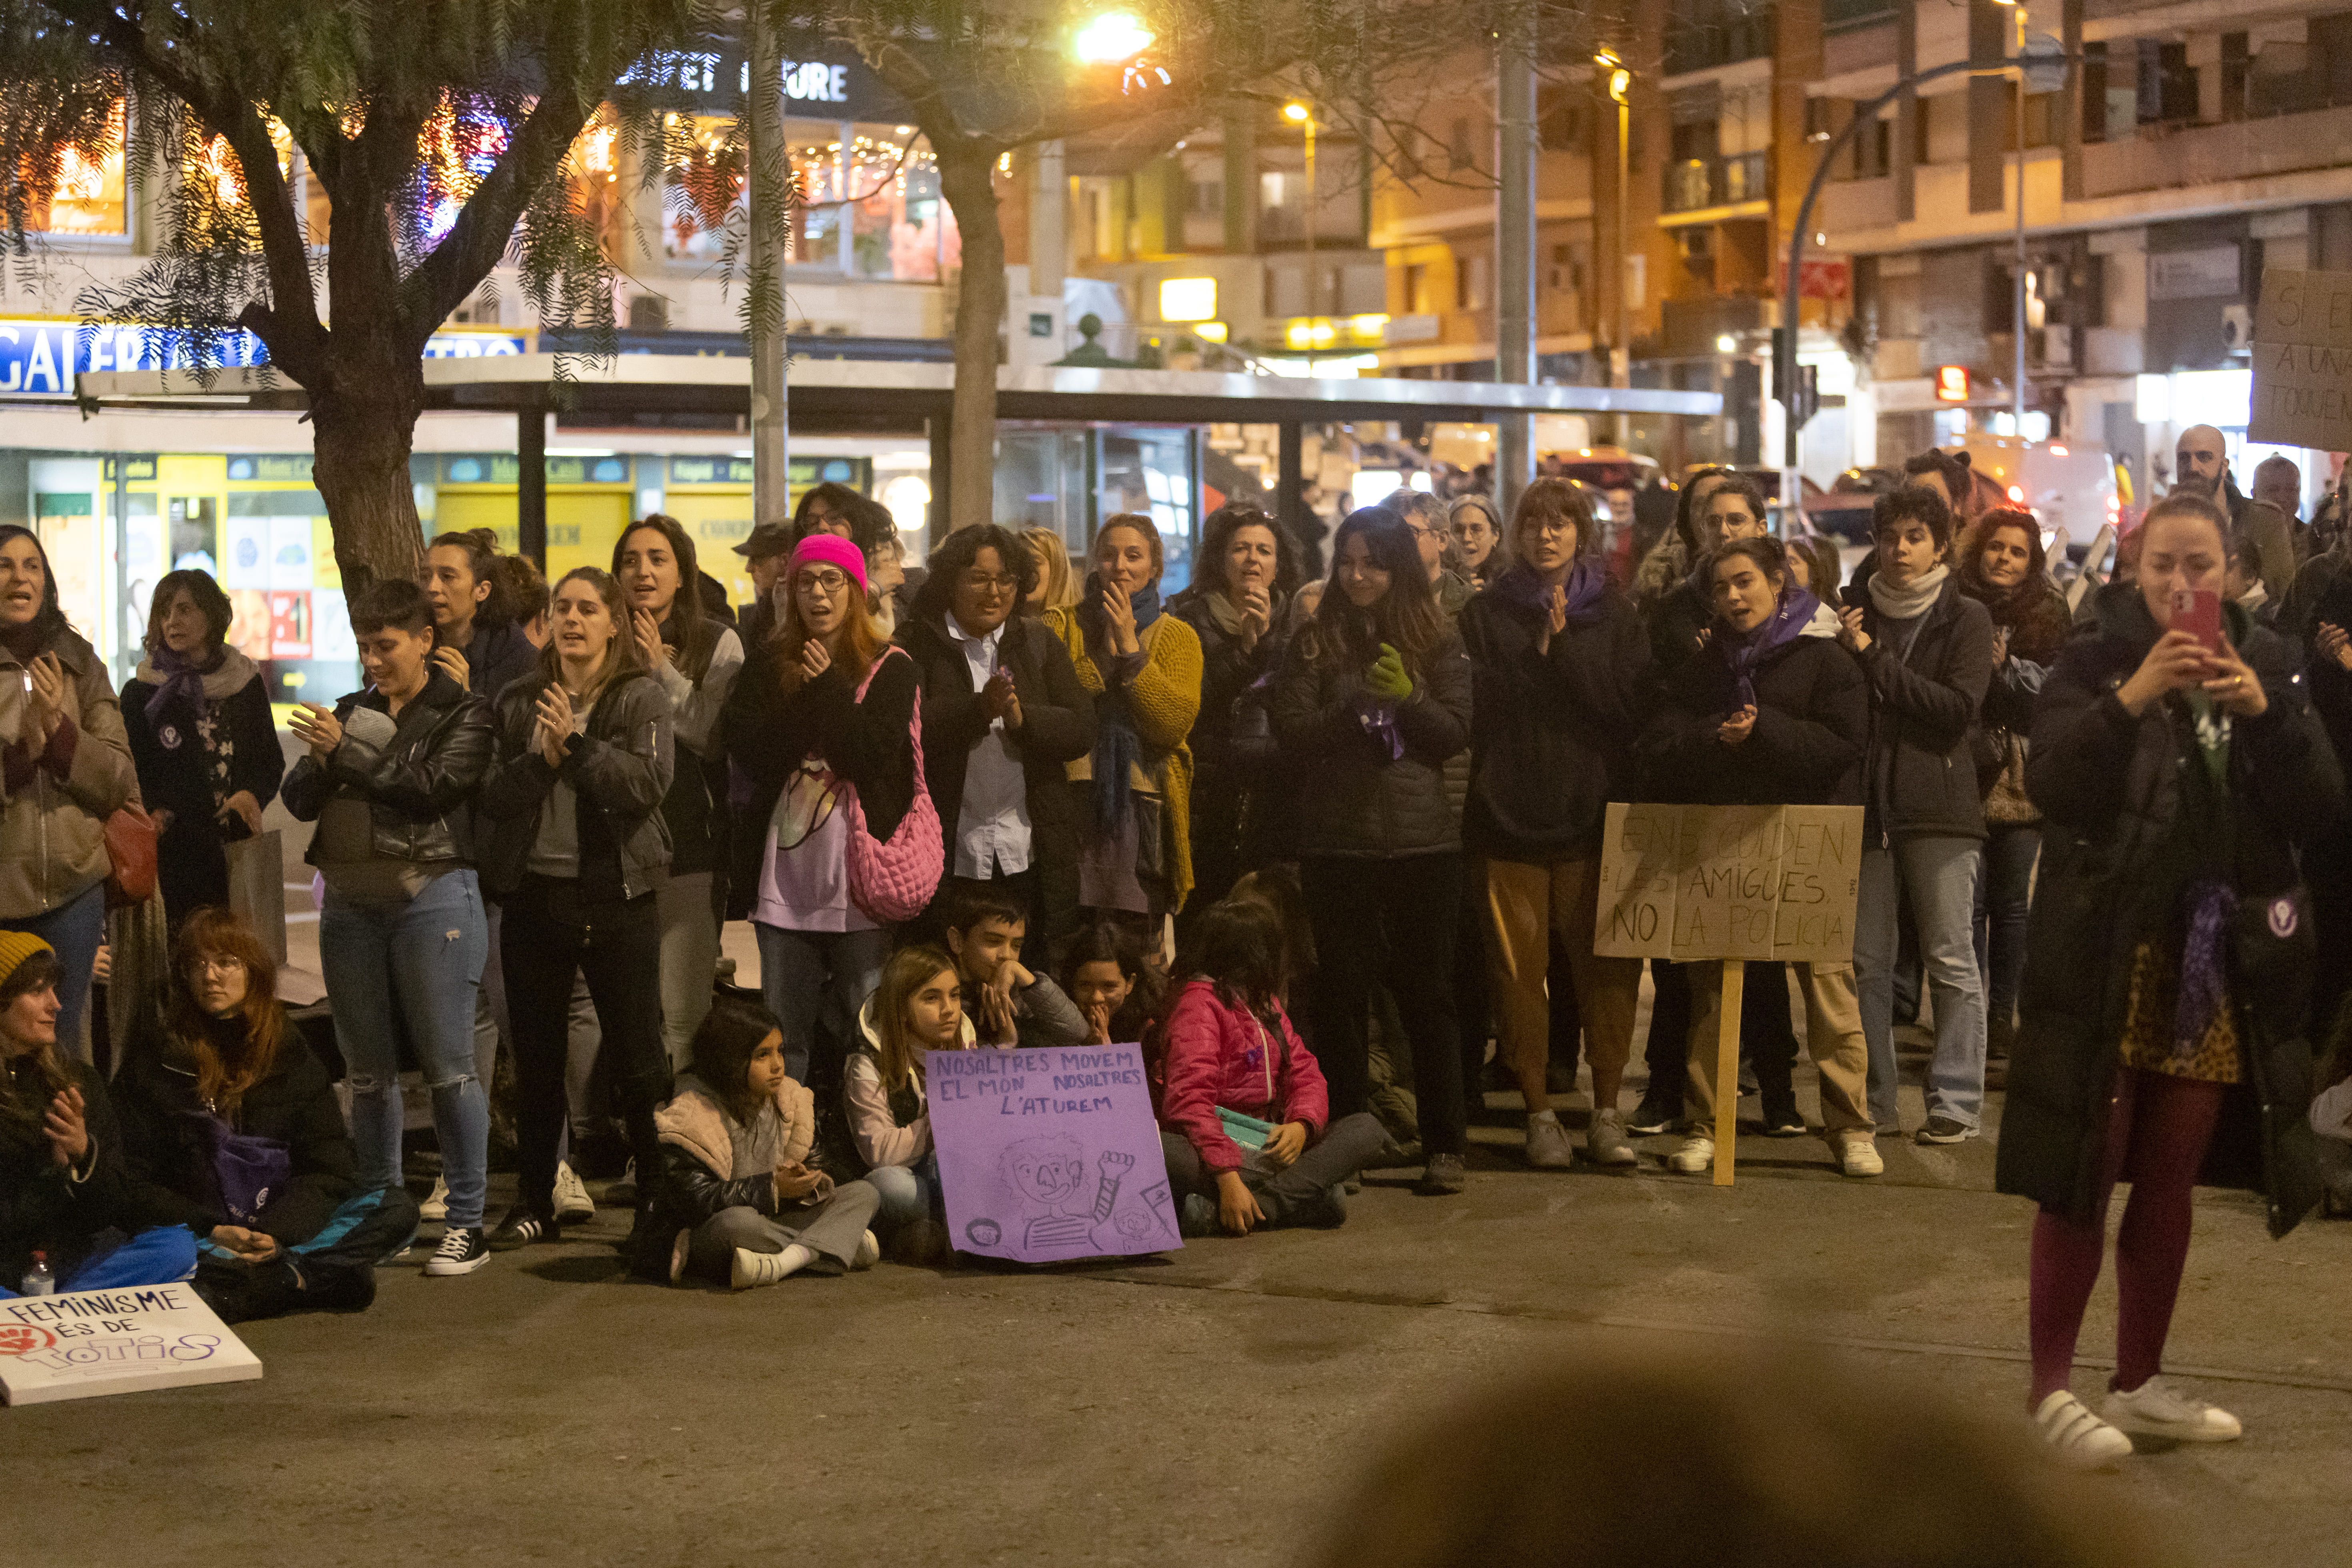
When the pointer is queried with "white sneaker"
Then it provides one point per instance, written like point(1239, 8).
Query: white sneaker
point(572, 1203)
point(2080, 1440)
point(751, 1269)
point(1860, 1157)
point(870, 1252)
point(1550, 1147)
point(1695, 1155)
point(435, 1207)
point(2156, 1409)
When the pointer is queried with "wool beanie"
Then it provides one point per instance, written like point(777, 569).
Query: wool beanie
point(16, 947)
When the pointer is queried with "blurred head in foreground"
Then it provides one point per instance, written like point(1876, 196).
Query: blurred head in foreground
point(1787, 1462)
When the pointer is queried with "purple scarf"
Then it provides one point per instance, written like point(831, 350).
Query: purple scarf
point(1586, 584)
point(1742, 652)
point(183, 682)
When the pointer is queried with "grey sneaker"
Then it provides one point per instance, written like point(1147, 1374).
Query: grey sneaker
point(1442, 1177)
point(1605, 1143)
point(1549, 1146)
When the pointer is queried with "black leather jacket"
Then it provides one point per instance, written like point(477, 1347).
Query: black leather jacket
point(418, 788)
point(620, 769)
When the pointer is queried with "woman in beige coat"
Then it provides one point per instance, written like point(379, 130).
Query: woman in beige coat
point(65, 768)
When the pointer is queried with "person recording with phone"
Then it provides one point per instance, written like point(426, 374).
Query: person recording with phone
point(2175, 748)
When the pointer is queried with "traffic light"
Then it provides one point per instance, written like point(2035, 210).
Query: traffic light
point(1798, 387)
point(1951, 383)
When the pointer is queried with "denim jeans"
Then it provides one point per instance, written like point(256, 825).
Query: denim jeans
point(1937, 877)
point(908, 1192)
point(810, 978)
point(2004, 896)
point(421, 961)
point(75, 928)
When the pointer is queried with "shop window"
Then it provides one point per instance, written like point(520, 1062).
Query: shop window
point(871, 205)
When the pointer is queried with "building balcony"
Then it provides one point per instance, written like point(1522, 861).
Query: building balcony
point(2216, 154)
point(1698, 185)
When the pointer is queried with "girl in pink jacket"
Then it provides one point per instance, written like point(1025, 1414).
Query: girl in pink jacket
point(1244, 1116)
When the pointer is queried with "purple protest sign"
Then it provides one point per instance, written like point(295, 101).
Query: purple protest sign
point(1049, 1155)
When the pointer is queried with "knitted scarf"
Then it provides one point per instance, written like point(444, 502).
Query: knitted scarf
point(1907, 603)
point(1117, 747)
point(1587, 582)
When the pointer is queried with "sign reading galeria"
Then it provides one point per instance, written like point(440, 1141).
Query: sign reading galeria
point(1049, 1155)
point(1754, 883)
point(87, 1343)
point(2303, 362)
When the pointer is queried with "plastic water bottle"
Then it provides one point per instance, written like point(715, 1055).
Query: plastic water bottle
point(38, 1280)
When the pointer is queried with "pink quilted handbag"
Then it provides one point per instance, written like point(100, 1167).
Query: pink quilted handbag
point(894, 880)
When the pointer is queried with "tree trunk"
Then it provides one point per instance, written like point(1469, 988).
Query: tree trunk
point(362, 440)
point(967, 172)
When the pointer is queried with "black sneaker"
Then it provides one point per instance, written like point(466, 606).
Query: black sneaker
point(1648, 1120)
point(1784, 1124)
point(1442, 1177)
point(522, 1227)
point(1944, 1130)
point(462, 1250)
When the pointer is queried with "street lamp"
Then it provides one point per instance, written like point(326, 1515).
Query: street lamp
point(1303, 115)
point(1621, 92)
point(1110, 38)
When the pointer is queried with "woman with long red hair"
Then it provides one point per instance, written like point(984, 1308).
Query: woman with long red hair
point(232, 1129)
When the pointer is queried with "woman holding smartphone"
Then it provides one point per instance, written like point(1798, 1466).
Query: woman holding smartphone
point(2183, 771)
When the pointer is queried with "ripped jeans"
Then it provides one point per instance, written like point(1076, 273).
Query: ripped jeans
point(417, 963)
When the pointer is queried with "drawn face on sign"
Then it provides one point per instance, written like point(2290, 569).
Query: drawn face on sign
point(1046, 1173)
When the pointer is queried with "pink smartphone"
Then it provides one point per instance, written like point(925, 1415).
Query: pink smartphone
point(2198, 612)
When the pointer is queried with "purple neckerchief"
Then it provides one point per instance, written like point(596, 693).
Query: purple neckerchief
point(1742, 652)
point(2204, 967)
point(1377, 715)
point(183, 682)
point(1586, 582)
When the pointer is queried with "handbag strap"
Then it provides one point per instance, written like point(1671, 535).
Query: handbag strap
point(914, 722)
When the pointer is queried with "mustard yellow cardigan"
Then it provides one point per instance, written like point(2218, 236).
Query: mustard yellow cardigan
point(1165, 699)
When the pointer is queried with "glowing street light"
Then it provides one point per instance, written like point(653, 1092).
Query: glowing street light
point(1111, 38)
point(1296, 113)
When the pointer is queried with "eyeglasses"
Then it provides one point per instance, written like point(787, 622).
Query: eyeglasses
point(1420, 532)
point(214, 963)
point(830, 582)
point(1551, 525)
point(983, 585)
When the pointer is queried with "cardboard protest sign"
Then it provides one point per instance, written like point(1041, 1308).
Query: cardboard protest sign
point(1750, 882)
point(87, 1343)
point(2303, 362)
point(1049, 1155)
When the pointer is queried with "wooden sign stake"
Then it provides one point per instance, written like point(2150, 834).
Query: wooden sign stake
point(1727, 1068)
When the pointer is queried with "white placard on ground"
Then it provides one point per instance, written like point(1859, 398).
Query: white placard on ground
point(87, 1343)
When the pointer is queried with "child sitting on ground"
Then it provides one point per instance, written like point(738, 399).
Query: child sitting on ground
point(1113, 989)
point(1243, 1106)
point(1011, 1005)
point(735, 1197)
point(918, 1007)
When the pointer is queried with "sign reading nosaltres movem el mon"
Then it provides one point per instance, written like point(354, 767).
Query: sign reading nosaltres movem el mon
point(2303, 362)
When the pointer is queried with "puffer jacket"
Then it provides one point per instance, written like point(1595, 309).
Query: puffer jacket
point(2123, 835)
point(619, 768)
point(1351, 798)
point(1812, 720)
point(168, 1131)
point(53, 826)
point(1920, 776)
point(698, 1180)
point(418, 787)
point(1217, 1053)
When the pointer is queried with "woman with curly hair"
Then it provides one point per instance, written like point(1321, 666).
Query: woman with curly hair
point(2003, 568)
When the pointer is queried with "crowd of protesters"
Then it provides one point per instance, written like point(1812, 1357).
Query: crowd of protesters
point(1319, 845)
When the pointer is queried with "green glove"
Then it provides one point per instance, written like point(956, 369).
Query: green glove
point(1387, 678)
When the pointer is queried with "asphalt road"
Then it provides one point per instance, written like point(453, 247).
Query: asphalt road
point(1214, 1408)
